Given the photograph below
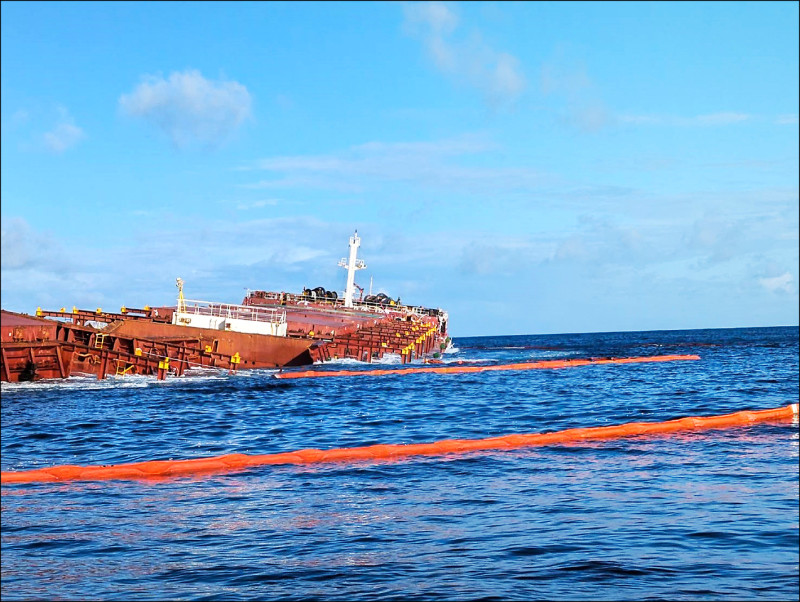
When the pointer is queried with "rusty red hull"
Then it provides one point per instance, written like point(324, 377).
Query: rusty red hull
point(256, 350)
point(364, 333)
point(16, 328)
point(27, 361)
point(34, 348)
point(29, 349)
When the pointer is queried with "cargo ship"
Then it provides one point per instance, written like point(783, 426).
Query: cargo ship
point(267, 330)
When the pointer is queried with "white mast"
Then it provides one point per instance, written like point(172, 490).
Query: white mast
point(352, 265)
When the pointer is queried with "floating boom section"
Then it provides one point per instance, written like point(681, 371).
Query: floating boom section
point(541, 365)
point(219, 464)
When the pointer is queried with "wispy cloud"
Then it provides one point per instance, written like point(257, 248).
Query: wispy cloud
point(778, 284)
point(788, 119)
point(260, 204)
point(64, 135)
point(377, 157)
point(718, 238)
point(482, 255)
point(188, 107)
point(498, 75)
point(562, 76)
point(725, 118)
point(24, 248)
point(567, 79)
point(437, 164)
point(706, 120)
point(20, 117)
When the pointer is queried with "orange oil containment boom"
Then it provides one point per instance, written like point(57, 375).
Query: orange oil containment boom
point(174, 468)
point(540, 365)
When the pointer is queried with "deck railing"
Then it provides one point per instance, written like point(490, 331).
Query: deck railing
point(253, 313)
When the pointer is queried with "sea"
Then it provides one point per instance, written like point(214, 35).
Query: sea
point(701, 515)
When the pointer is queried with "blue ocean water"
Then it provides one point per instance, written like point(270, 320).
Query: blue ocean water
point(707, 515)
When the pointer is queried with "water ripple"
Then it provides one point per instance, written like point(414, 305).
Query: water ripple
point(693, 516)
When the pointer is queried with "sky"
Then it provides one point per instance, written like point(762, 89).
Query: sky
point(530, 167)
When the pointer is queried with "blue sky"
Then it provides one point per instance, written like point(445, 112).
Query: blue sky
point(530, 167)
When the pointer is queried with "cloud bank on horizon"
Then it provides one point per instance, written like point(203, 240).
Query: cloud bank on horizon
point(532, 168)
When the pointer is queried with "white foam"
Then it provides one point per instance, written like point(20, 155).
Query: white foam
point(387, 359)
point(82, 383)
point(251, 372)
point(474, 360)
point(128, 381)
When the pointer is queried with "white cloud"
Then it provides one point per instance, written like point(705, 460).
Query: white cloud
point(560, 75)
point(23, 248)
point(429, 164)
point(707, 120)
point(778, 284)
point(639, 119)
point(14, 237)
point(504, 256)
point(439, 17)
point(602, 243)
point(497, 74)
point(507, 80)
point(260, 204)
point(717, 238)
point(568, 80)
point(64, 135)
point(379, 157)
point(188, 107)
point(725, 118)
point(789, 119)
point(590, 117)
point(20, 117)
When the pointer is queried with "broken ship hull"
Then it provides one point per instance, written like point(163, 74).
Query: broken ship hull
point(255, 350)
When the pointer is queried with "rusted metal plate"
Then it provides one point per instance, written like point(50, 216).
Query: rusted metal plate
point(18, 328)
point(256, 350)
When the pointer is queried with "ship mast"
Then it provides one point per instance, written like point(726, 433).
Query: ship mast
point(181, 299)
point(352, 265)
